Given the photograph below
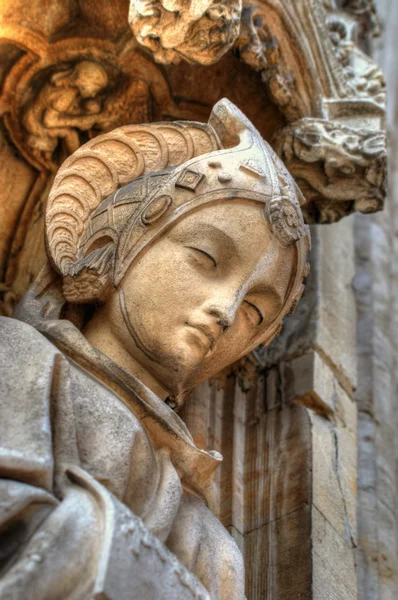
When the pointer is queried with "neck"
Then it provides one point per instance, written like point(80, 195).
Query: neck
point(98, 333)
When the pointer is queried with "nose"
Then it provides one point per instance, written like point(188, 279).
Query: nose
point(224, 309)
point(224, 319)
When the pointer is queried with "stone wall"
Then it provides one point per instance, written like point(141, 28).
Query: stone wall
point(376, 293)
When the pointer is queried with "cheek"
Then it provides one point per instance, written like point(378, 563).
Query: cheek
point(230, 345)
point(162, 286)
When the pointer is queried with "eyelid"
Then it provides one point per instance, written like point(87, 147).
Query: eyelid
point(260, 314)
point(213, 260)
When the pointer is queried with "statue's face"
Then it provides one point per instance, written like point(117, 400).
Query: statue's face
point(199, 297)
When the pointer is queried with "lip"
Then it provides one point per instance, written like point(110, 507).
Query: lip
point(206, 331)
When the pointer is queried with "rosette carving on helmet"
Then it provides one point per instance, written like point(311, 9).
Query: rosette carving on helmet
point(285, 218)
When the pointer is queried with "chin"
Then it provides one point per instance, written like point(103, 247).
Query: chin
point(178, 365)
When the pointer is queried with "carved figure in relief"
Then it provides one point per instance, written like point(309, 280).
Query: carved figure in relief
point(350, 166)
point(259, 48)
point(364, 79)
point(174, 249)
point(67, 102)
point(200, 31)
point(74, 101)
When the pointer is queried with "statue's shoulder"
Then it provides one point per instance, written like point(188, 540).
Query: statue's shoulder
point(26, 360)
point(26, 374)
point(13, 331)
point(26, 357)
point(22, 344)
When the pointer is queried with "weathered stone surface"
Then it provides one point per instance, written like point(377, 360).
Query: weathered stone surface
point(376, 293)
point(321, 323)
point(334, 563)
point(285, 547)
point(138, 223)
point(200, 32)
point(335, 473)
point(340, 169)
point(312, 383)
point(298, 74)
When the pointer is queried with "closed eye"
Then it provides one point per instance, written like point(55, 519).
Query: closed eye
point(257, 311)
point(205, 254)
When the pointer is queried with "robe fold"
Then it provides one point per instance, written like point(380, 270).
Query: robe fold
point(103, 493)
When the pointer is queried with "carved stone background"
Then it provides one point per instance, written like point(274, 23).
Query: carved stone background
point(286, 422)
point(75, 70)
point(68, 75)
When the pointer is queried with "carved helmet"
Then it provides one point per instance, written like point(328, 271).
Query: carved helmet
point(122, 190)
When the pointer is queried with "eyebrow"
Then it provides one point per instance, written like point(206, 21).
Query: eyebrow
point(226, 240)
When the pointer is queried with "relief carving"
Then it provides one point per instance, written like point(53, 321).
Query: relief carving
point(259, 48)
point(198, 32)
point(338, 168)
point(152, 286)
point(76, 99)
point(65, 104)
point(308, 56)
point(55, 102)
point(364, 78)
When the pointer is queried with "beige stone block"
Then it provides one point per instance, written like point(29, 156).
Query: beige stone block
point(334, 574)
point(277, 467)
point(299, 556)
point(336, 331)
point(280, 557)
point(313, 383)
point(334, 476)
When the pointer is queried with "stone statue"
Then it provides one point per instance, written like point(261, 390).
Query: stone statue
point(174, 250)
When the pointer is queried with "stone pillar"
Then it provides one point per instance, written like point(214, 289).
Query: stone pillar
point(316, 480)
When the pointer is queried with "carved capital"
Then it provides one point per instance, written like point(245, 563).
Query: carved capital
point(339, 169)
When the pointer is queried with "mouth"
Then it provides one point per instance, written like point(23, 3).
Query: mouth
point(206, 336)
